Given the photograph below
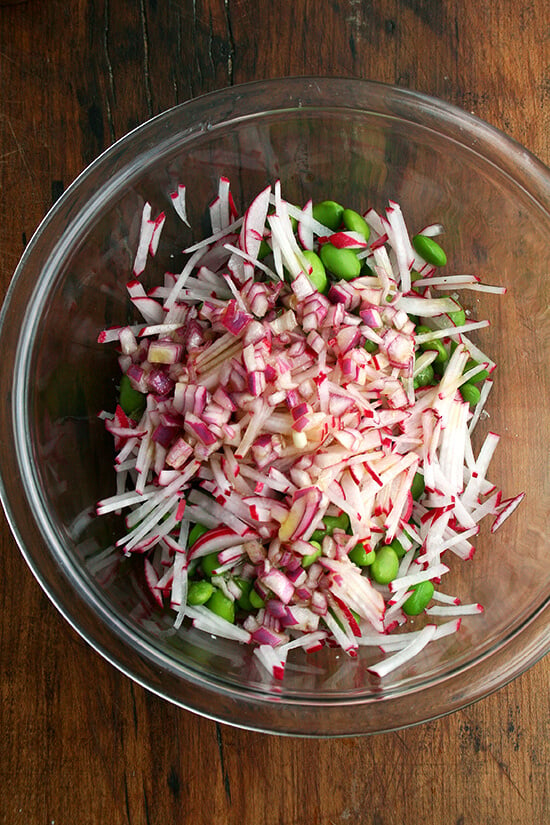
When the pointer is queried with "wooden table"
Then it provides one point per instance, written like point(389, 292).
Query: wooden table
point(79, 742)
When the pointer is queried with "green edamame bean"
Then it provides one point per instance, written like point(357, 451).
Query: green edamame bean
point(419, 598)
point(385, 566)
point(308, 560)
point(417, 486)
point(195, 533)
point(470, 393)
point(264, 250)
point(244, 599)
point(398, 547)
point(318, 275)
point(428, 249)
point(340, 623)
point(317, 536)
point(132, 401)
point(442, 354)
point(370, 346)
point(329, 213)
point(481, 376)
point(199, 592)
point(437, 345)
point(356, 223)
point(360, 556)
point(458, 317)
point(331, 522)
point(209, 564)
point(343, 263)
point(221, 605)
point(255, 599)
point(413, 524)
point(424, 378)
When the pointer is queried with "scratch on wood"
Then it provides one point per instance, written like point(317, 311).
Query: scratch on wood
point(110, 75)
point(225, 775)
point(5, 155)
point(231, 41)
point(17, 144)
point(401, 739)
point(504, 769)
point(8, 57)
point(146, 71)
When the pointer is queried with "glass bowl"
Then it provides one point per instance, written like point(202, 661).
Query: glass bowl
point(362, 143)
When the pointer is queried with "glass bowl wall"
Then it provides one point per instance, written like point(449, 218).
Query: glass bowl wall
point(362, 144)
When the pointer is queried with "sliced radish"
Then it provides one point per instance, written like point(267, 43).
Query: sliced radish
point(266, 412)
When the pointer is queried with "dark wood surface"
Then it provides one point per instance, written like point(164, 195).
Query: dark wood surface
point(79, 743)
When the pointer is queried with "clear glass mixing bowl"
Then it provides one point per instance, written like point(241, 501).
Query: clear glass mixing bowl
point(361, 143)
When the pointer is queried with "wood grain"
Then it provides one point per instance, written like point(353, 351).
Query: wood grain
point(79, 742)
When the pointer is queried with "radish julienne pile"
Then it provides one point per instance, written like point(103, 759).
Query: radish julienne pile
point(294, 426)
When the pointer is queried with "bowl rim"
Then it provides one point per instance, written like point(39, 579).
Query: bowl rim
point(292, 93)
